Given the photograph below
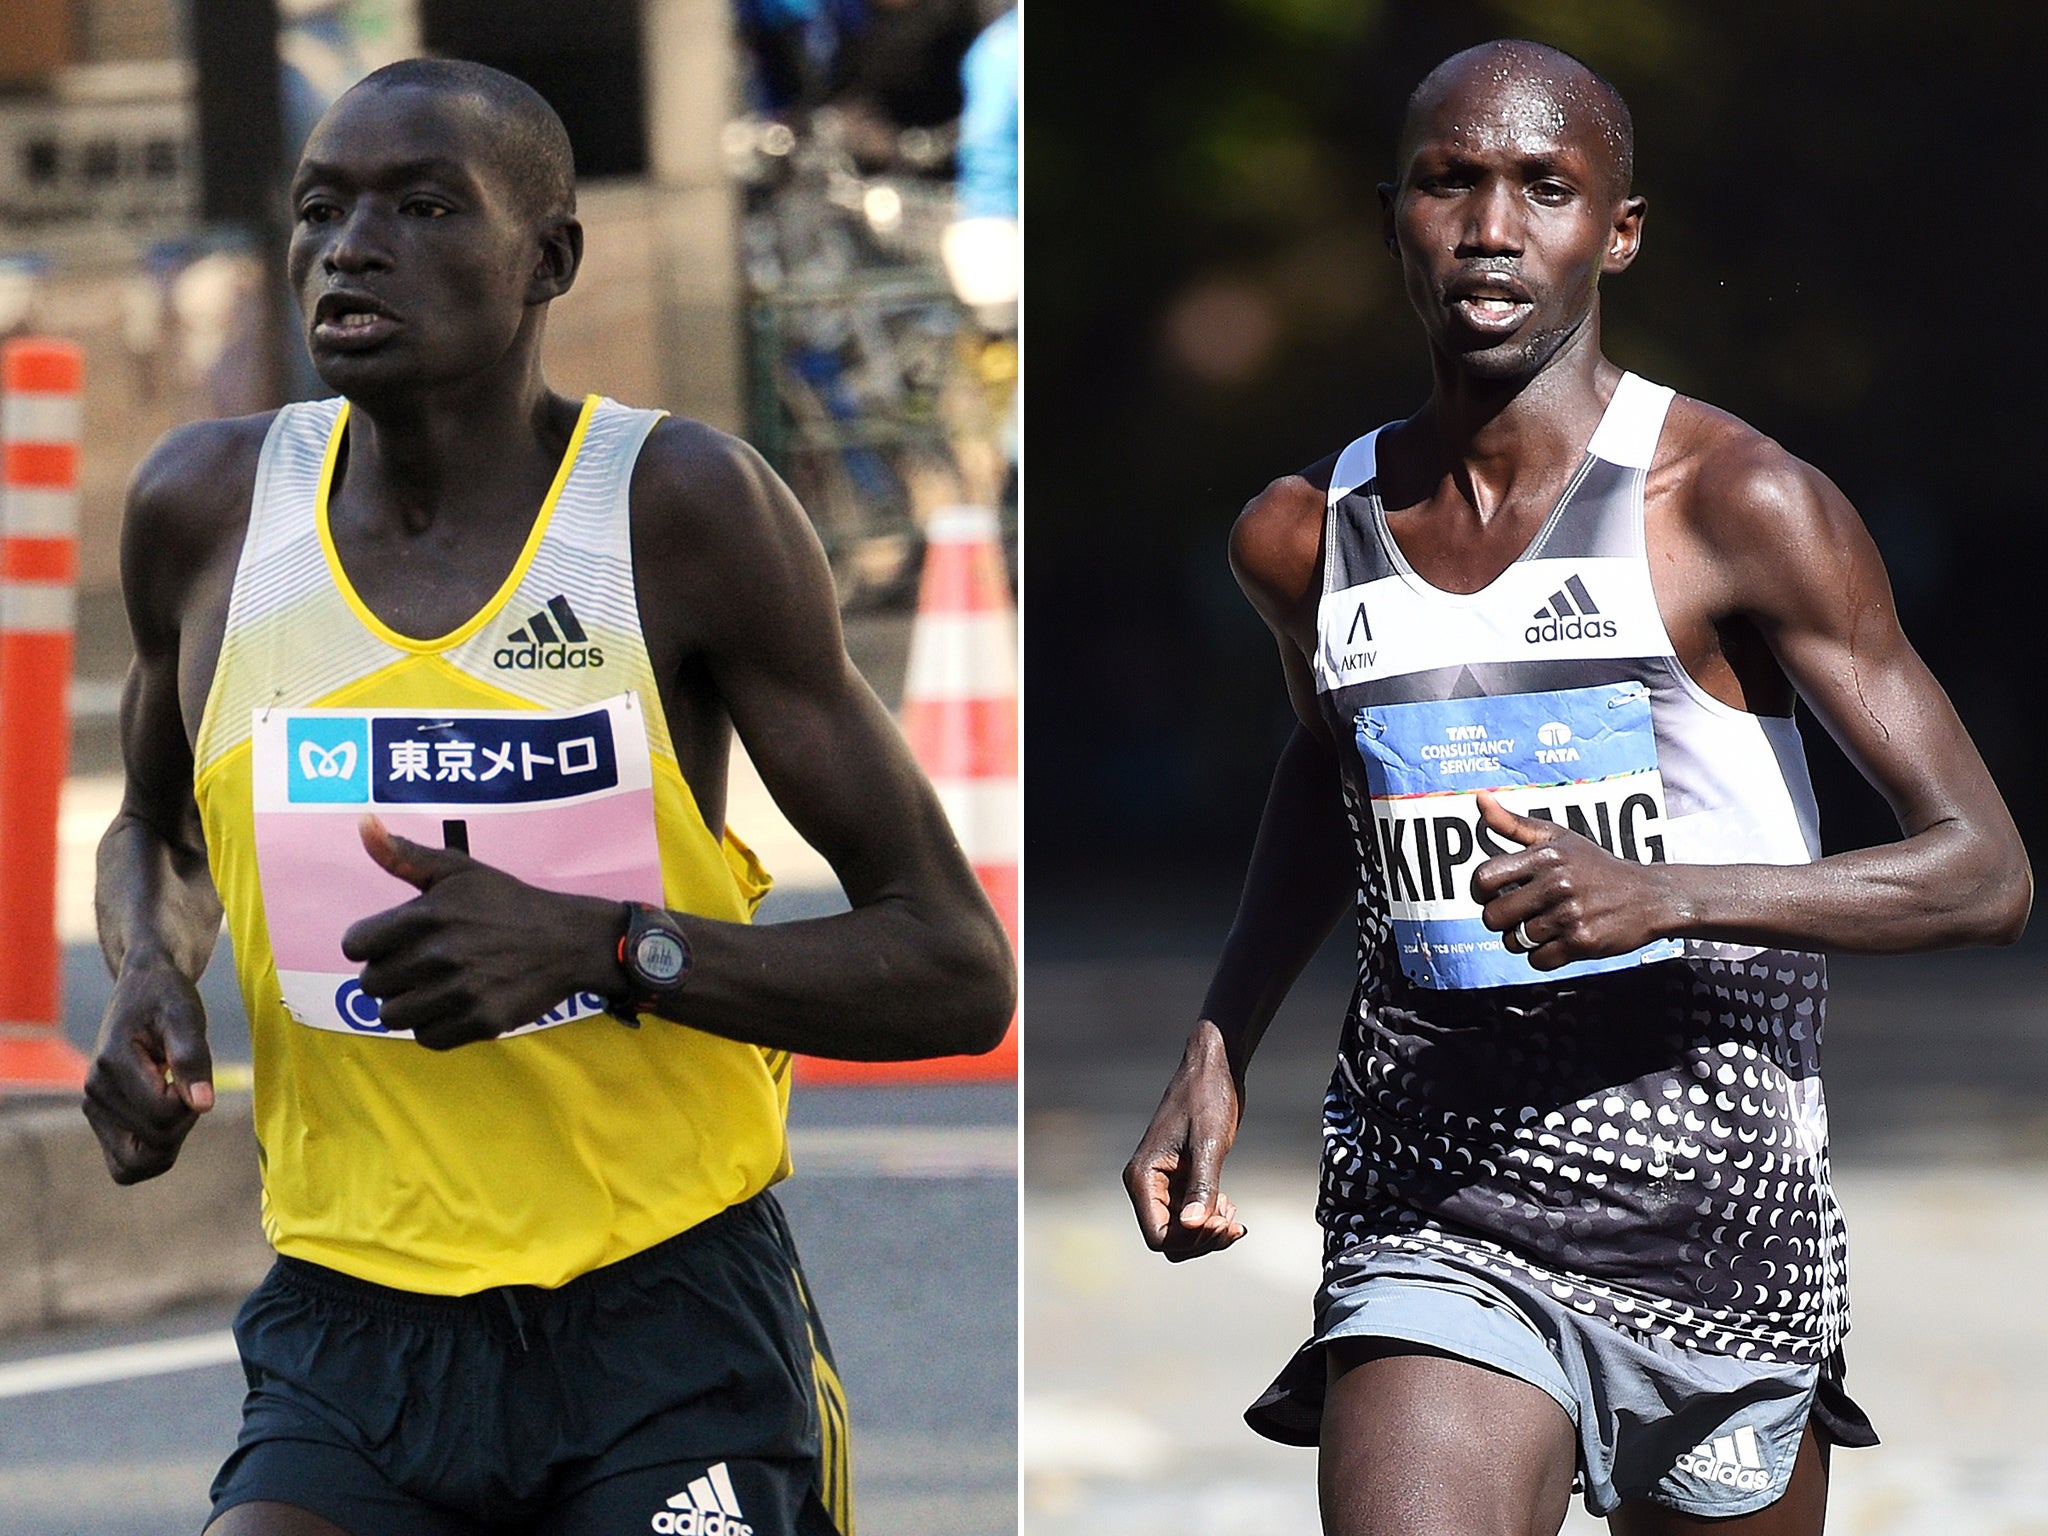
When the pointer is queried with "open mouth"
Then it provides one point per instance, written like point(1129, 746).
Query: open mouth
point(351, 320)
point(1488, 299)
point(1491, 311)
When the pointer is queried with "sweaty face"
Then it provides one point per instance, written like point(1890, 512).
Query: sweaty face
point(1504, 218)
point(410, 255)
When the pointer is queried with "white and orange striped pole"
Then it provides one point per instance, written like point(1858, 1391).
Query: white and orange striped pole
point(40, 382)
point(960, 714)
point(960, 694)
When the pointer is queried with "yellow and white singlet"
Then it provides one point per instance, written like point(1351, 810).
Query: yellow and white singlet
point(533, 734)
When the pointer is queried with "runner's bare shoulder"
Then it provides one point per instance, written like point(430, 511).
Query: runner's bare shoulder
point(695, 478)
point(715, 492)
point(1276, 545)
point(715, 526)
point(1741, 493)
point(189, 499)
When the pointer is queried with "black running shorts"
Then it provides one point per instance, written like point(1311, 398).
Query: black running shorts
point(686, 1391)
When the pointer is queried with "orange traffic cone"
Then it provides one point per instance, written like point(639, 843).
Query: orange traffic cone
point(39, 431)
point(960, 713)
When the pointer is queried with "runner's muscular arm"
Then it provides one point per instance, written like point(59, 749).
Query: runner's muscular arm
point(920, 966)
point(1776, 542)
point(1297, 885)
point(158, 914)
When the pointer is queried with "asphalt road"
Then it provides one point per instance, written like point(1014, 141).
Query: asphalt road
point(905, 1209)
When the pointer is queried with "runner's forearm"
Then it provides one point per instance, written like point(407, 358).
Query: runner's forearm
point(1946, 886)
point(1298, 884)
point(884, 982)
point(154, 899)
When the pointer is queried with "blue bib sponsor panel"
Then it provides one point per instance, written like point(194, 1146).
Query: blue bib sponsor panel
point(1585, 758)
point(491, 759)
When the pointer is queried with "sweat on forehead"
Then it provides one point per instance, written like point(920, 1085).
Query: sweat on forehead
point(1514, 76)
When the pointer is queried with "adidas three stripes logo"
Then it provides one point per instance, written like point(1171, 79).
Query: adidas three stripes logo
point(552, 640)
point(1571, 614)
point(1561, 601)
point(538, 629)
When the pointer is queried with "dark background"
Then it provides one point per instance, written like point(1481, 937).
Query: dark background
point(1844, 247)
point(585, 58)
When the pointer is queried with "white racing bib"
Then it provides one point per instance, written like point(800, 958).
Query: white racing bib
point(1585, 758)
point(561, 799)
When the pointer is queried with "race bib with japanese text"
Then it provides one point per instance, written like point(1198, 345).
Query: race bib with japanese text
point(560, 799)
point(1585, 758)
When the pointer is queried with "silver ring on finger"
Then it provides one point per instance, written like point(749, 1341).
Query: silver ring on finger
point(1523, 943)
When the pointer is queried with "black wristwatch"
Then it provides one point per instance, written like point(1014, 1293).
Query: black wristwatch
point(654, 955)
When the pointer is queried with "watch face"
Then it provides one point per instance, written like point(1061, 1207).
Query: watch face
point(660, 958)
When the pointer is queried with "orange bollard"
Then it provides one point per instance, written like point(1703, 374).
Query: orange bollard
point(39, 435)
point(960, 714)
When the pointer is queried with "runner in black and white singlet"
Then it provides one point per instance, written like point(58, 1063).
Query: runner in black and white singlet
point(1544, 639)
point(1659, 1126)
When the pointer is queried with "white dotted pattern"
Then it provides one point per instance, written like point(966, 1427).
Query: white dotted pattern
point(1650, 1144)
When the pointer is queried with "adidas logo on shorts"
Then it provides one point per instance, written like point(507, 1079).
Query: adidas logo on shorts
point(708, 1507)
point(1733, 1461)
point(550, 641)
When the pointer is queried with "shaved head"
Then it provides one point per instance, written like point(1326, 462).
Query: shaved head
point(1525, 80)
point(530, 147)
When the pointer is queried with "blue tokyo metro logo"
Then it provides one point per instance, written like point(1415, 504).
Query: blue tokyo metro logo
point(328, 761)
point(364, 1014)
point(358, 1010)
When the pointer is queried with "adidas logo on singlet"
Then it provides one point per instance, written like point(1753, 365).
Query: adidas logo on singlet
point(551, 641)
point(1571, 614)
point(708, 1507)
point(1733, 1461)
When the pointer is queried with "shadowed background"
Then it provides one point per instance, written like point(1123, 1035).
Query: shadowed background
point(1839, 222)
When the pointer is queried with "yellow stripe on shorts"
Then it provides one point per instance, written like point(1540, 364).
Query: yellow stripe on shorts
point(835, 1433)
point(835, 1448)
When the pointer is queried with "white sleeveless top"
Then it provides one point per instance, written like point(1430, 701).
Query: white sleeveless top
point(1646, 1133)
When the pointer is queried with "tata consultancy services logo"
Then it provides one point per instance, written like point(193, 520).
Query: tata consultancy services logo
point(329, 761)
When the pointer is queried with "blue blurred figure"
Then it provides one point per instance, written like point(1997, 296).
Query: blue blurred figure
point(981, 248)
point(990, 76)
point(795, 46)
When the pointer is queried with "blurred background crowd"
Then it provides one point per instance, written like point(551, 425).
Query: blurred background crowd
point(802, 223)
point(802, 226)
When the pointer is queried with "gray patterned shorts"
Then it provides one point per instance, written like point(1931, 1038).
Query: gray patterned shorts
point(1706, 1434)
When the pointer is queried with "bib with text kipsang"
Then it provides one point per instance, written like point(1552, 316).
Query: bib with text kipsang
point(1585, 758)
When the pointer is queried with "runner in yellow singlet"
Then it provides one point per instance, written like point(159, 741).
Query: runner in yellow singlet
point(434, 690)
